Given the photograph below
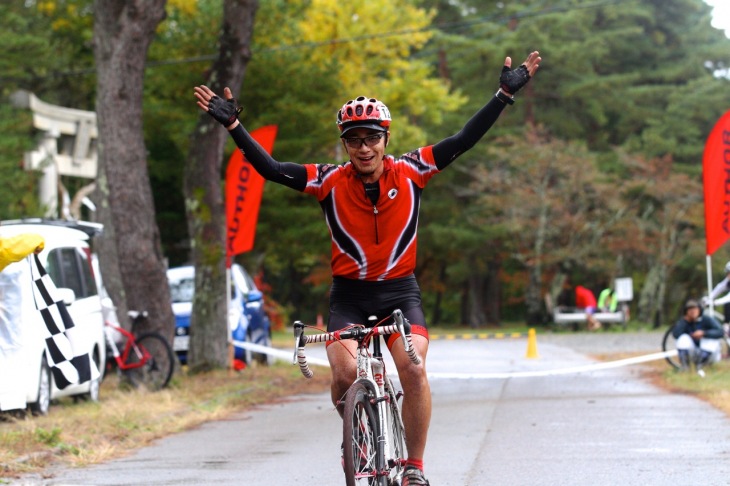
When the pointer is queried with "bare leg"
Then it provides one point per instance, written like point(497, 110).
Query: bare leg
point(342, 360)
point(416, 396)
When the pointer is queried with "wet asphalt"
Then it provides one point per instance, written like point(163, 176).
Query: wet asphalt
point(500, 417)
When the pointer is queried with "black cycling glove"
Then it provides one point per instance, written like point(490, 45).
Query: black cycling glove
point(512, 80)
point(225, 112)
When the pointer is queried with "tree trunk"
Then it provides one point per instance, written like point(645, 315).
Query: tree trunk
point(493, 292)
point(475, 296)
point(533, 293)
point(123, 31)
point(204, 199)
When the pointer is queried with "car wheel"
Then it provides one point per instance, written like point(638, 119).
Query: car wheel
point(43, 404)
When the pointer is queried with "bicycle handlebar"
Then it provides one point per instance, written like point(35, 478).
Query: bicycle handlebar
point(359, 333)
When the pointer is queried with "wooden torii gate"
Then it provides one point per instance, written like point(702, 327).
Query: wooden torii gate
point(68, 147)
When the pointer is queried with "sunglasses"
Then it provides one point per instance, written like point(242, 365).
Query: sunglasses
point(370, 141)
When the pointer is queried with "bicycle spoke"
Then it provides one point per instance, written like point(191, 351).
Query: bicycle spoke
point(360, 438)
point(152, 362)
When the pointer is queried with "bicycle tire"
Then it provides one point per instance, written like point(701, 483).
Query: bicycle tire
point(156, 373)
point(668, 344)
point(362, 454)
point(396, 463)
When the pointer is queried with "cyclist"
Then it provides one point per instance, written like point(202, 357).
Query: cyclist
point(371, 205)
point(697, 337)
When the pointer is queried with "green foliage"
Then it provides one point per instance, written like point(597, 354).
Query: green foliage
point(48, 437)
point(623, 102)
point(18, 187)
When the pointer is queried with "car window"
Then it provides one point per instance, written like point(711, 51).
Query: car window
point(87, 273)
point(182, 290)
point(69, 268)
point(66, 270)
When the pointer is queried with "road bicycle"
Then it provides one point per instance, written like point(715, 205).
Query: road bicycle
point(146, 359)
point(669, 344)
point(373, 436)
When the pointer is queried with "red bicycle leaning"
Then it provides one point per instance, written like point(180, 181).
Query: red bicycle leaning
point(146, 360)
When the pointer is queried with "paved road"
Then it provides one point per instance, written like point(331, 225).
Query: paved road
point(607, 427)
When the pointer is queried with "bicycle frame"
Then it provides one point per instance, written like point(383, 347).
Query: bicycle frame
point(372, 374)
point(130, 345)
point(371, 369)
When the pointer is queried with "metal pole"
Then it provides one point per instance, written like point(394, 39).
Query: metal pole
point(708, 259)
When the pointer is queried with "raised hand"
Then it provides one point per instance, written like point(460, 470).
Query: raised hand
point(225, 112)
point(512, 80)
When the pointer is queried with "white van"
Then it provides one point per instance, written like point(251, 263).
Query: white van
point(25, 377)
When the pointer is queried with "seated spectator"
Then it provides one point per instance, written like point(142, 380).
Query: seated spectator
point(585, 299)
point(698, 338)
point(607, 301)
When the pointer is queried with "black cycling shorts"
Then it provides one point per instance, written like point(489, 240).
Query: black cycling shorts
point(353, 301)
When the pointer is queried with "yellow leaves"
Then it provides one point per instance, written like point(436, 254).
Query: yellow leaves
point(364, 38)
point(371, 44)
point(67, 17)
point(184, 7)
point(47, 8)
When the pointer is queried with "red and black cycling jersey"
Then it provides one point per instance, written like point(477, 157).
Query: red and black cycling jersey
point(372, 241)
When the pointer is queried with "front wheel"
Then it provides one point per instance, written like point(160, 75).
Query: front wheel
point(669, 344)
point(153, 366)
point(360, 435)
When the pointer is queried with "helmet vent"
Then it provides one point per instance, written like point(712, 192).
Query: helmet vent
point(365, 112)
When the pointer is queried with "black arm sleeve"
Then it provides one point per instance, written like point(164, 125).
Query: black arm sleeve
point(286, 173)
point(448, 149)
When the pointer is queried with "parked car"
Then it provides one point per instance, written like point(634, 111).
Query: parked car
point(67, 259)
point(247, 321)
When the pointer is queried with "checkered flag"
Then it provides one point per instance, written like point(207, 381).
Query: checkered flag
point(65, 342)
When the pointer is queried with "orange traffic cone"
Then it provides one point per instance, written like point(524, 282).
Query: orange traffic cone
point(531, 344)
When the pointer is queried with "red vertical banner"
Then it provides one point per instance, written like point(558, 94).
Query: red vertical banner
point(716, 181)
point(244, 188)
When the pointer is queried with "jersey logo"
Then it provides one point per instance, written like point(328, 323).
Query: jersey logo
point(323, 169)
point(392, 193)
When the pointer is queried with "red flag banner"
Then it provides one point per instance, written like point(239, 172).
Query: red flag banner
point(244, 187)
point(716, 181)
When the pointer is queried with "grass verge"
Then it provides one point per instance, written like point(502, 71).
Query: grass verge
point(714, 388)
point(83, 433)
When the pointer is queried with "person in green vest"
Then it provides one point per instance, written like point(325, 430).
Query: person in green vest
point(607, 301)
